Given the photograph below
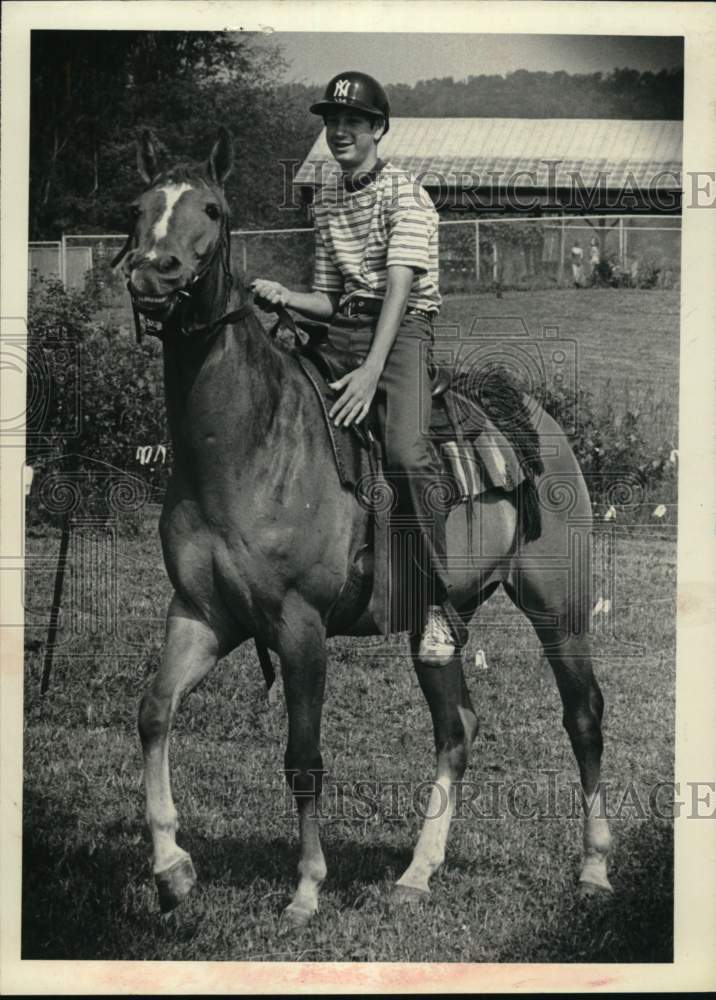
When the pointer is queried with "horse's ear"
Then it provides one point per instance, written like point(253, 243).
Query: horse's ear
point(147, 160)
point(221, 158)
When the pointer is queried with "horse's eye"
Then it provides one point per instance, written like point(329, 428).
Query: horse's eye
point(212, 210)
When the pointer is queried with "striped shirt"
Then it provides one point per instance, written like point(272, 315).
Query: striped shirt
point(359, 234)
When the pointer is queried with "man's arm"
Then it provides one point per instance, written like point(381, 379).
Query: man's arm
point(312, 305)
point(320, 303)
point(359, 386)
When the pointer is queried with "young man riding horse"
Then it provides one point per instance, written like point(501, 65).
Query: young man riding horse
point(376, 281)
point(258, 547)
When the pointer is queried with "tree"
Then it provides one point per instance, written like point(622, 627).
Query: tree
point(93, 91)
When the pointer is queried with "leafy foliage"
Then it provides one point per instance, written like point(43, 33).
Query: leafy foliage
point(115, 401)
point(621, 469)
point(623, 93)
point(91, 96)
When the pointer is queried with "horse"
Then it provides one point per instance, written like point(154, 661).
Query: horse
point(260, 540)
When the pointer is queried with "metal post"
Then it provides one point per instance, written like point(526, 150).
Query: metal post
point(63, 261)
point(622, 261)
point(494, 261)
point(56, 604)
point(477, 251)
point(562, 236)
point(244, 257)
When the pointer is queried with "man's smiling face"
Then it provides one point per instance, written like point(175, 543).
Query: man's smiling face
point(352, 137)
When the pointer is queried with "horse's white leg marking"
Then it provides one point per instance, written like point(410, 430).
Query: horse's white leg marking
point(312, 868)
point(597, 843)
point(172, 193)
point(429, 851)
point(190, 652)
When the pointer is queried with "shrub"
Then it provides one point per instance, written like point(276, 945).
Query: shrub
point(623, 465)
point(102, 397)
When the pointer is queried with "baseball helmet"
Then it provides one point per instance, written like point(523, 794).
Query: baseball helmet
point(354, 90)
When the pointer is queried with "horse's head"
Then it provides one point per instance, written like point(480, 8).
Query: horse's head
point(180, 222)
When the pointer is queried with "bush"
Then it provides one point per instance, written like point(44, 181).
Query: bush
point(624, 468)
point(101, 398)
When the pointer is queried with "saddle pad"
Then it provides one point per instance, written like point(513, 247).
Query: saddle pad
point(487, 462)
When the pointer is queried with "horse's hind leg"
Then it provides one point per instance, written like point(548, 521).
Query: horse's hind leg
point(455, 728)
point(302, 648)
point(559, 612)
point(190, 651)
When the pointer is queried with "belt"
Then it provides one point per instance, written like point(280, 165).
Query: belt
point(370, 306)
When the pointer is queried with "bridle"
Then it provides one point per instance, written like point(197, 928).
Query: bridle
point(142, 324)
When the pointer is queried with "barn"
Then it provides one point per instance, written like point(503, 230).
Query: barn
point(528, 166)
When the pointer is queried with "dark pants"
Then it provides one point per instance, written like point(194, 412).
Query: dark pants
point(411, 465)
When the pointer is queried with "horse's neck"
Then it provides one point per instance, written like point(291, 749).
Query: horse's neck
point(224, 388)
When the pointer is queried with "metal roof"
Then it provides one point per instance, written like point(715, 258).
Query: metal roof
point(465, 152)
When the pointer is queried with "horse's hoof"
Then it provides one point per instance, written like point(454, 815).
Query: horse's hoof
point(408, 894)
point(294, 918)
point(589, 889)
point(175, 883)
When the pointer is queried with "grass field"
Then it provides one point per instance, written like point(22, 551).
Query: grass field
point(507, 890)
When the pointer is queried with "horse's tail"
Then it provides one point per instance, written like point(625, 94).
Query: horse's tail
point(529, 512)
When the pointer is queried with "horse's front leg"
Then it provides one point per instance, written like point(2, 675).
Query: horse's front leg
point(455, 728)
point(302, 649)
point(191, 650)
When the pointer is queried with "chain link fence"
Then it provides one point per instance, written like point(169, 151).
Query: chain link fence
point(475, 255)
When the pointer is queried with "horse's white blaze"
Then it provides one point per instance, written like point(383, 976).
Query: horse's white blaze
point(172, 193)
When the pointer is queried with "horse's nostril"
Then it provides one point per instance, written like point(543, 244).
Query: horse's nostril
point(168, 262)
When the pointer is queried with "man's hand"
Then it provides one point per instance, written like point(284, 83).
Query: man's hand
point(359, 388)
point(270, 292)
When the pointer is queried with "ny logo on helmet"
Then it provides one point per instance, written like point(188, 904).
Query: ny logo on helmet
point(341, 89)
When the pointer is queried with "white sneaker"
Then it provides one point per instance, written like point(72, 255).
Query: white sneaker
point(437, 646)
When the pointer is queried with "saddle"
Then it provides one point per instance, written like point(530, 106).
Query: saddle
point(475, 453)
